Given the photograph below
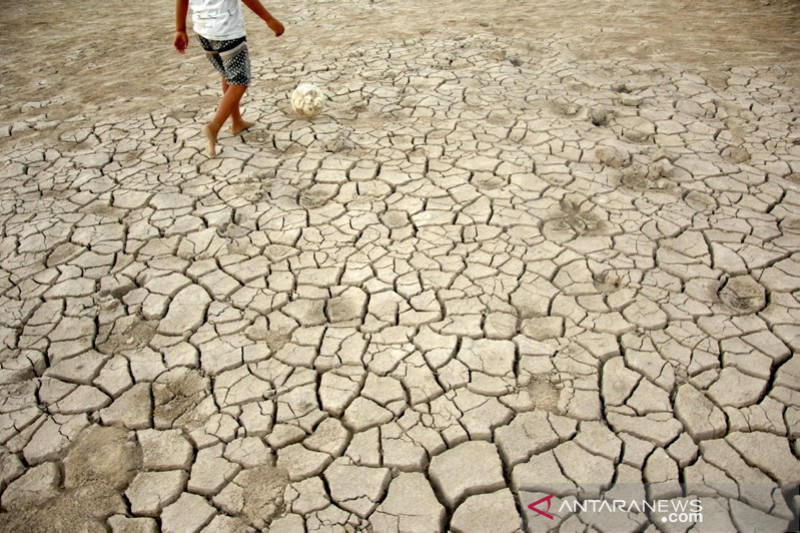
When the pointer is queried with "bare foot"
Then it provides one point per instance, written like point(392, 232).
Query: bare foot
point(211, 140)
point(239, 127)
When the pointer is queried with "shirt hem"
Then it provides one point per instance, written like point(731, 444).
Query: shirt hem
point(222, 36)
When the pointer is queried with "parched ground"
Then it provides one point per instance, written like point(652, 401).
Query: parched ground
point(529, 248)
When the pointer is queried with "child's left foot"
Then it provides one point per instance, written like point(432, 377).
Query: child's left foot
point(211, 140)
point(239, 127)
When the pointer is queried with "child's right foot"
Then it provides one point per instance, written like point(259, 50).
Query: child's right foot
point(239, 127)
point(211, 140)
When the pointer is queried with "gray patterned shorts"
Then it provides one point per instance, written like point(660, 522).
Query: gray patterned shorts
point(230, 58)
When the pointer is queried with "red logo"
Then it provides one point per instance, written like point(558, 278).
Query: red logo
point(548, 499)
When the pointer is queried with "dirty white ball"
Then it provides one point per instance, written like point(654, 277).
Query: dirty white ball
point(308, 100)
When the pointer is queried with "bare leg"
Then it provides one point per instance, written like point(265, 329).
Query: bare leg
point(229, 103)
point(238, 124)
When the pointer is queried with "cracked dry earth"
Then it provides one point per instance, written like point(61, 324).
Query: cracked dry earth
point(502, 259)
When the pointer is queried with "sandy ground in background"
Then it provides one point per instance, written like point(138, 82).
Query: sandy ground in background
point(99, 60)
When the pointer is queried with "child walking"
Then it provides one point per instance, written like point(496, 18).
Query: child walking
point(219, 25)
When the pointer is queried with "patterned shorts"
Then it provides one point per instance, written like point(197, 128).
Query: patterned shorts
point(230, 58)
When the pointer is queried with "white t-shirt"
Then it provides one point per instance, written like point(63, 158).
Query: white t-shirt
point(218, 20)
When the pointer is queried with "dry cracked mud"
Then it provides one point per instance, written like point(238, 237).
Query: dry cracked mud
point(526, 246)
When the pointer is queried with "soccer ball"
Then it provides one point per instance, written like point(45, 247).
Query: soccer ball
point(307, 100)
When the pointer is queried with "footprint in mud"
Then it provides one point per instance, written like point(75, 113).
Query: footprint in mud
point(96, 470)
point(243, 193)
point(127, 333)
point(57, 194)
point(262, 491)
point(274, 338)
point(564, 108)
point(717, 80)
point(701, 202)
point(543, 393)
point(743, 295)
point(259, 137)
point(573, 221)
point(650, 178)
point(395, 219)
point(182, 114)
point(608, 281)
point(176, 396)
point(104, 211)
point(790, 226)
point(233, 230)
point(635, 177)
point(341, 142)
point(488, 181)
point(735, 154)
point(317, 195)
